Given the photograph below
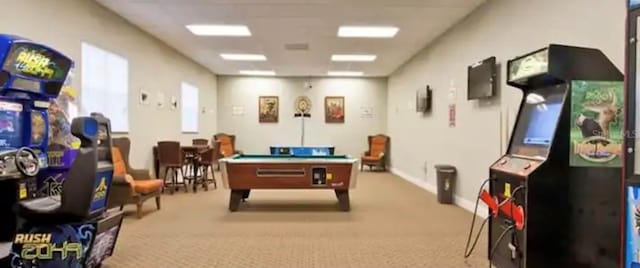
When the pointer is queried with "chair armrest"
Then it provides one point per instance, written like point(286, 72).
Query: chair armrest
point(121, 186)
point(140, 174)
point(120, 194)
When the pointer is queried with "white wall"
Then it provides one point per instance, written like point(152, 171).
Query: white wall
point(154, 67)
point(255, 137)
point(501, 28)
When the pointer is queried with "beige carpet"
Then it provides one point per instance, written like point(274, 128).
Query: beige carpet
point(392, 224)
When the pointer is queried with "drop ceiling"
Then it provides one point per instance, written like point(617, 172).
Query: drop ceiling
point(298, 37)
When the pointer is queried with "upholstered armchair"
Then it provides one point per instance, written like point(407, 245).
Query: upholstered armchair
point(226, 144)
point(377, 154)
point(131, 186)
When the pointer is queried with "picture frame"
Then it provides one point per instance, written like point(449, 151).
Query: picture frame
point(334, 109)
point(268, 109)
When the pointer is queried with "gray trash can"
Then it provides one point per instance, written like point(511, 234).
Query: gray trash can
point(446, 178)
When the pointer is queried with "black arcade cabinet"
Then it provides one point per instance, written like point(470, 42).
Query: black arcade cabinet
point(555, 196)
point(73, 229)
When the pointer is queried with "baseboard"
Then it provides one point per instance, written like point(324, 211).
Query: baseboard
point(458, 200)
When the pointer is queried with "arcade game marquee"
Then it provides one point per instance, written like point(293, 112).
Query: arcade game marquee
point(555, 197)
point(47, 232)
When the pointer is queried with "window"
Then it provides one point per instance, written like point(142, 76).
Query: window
point(189, 108)
point(105, 86)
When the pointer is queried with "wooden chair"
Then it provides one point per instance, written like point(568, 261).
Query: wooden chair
point(130, 185)
point(199, 142)
point(170, 157)
point(207, 159)
point(376, 156)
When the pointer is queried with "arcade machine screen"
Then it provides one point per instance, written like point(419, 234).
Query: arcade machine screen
point(537, 124)
point(10, 136)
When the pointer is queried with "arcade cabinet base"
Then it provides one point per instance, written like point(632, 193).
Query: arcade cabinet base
point(85, 244)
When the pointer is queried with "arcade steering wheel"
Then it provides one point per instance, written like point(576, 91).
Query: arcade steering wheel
point(27, 162)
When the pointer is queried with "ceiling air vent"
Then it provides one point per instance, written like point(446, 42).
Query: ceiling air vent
point(296, 46)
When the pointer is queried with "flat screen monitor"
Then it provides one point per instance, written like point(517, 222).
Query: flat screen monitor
point(481, 79)
point(537, 122)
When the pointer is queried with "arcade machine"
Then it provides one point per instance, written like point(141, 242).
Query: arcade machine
point(631, 163)
point(30, 74)
point(554, 198)
point(73, 229)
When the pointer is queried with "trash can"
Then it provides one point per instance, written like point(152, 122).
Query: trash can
point(446, 175)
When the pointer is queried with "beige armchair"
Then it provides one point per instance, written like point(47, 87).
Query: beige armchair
point(131, 186)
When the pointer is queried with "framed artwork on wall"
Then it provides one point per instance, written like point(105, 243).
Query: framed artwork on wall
point(334, 109)
point(268, 109)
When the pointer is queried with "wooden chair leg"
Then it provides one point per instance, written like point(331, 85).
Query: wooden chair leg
point(158, 202)
point(139, 210)
point(121, 207)
point(213, 177)
point(184, 180)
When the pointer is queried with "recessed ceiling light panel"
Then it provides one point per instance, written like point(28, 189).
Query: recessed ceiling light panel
point(353, 57)
point(367, 31)
point(219, 30)
point(243, 57)
point(258, 72)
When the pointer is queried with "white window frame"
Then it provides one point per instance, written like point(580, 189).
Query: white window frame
point(105, 86)
point(189, 103)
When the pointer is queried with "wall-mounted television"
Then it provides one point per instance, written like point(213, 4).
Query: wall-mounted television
point(423, 100)
point(481, 79)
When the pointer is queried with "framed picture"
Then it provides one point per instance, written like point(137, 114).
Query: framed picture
point(334, 109)
point(268, 109)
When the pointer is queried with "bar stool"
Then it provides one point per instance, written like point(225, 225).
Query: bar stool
point(170, 157)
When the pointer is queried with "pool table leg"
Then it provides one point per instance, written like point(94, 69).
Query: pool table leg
point(245, 194)
point(234, 199)
point(343, 199)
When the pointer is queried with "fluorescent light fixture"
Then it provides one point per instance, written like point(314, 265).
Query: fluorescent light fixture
point(367, 31)
point(257, 72)
point(353, 57)
point(243, 57)
point(344, 73)
point(219, 30)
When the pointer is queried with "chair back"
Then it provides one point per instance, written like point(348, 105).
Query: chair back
point(208, 156)
point(124, 146)
point(199, 142)
point(227, 144)
point(378, 144)
point(78, 188)
point(169, 153)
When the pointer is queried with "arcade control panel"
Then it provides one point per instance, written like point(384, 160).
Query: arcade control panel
point(509, 176)
point(516, 165)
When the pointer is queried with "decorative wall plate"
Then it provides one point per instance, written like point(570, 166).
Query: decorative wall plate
point(303, 105)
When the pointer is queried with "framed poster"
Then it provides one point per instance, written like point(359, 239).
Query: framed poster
point(596, 124)
point(334, 109)
point(268, 109)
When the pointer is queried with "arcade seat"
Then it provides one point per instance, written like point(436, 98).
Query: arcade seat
point(77, 190)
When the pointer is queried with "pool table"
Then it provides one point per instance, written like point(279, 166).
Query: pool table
point(243, 173)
